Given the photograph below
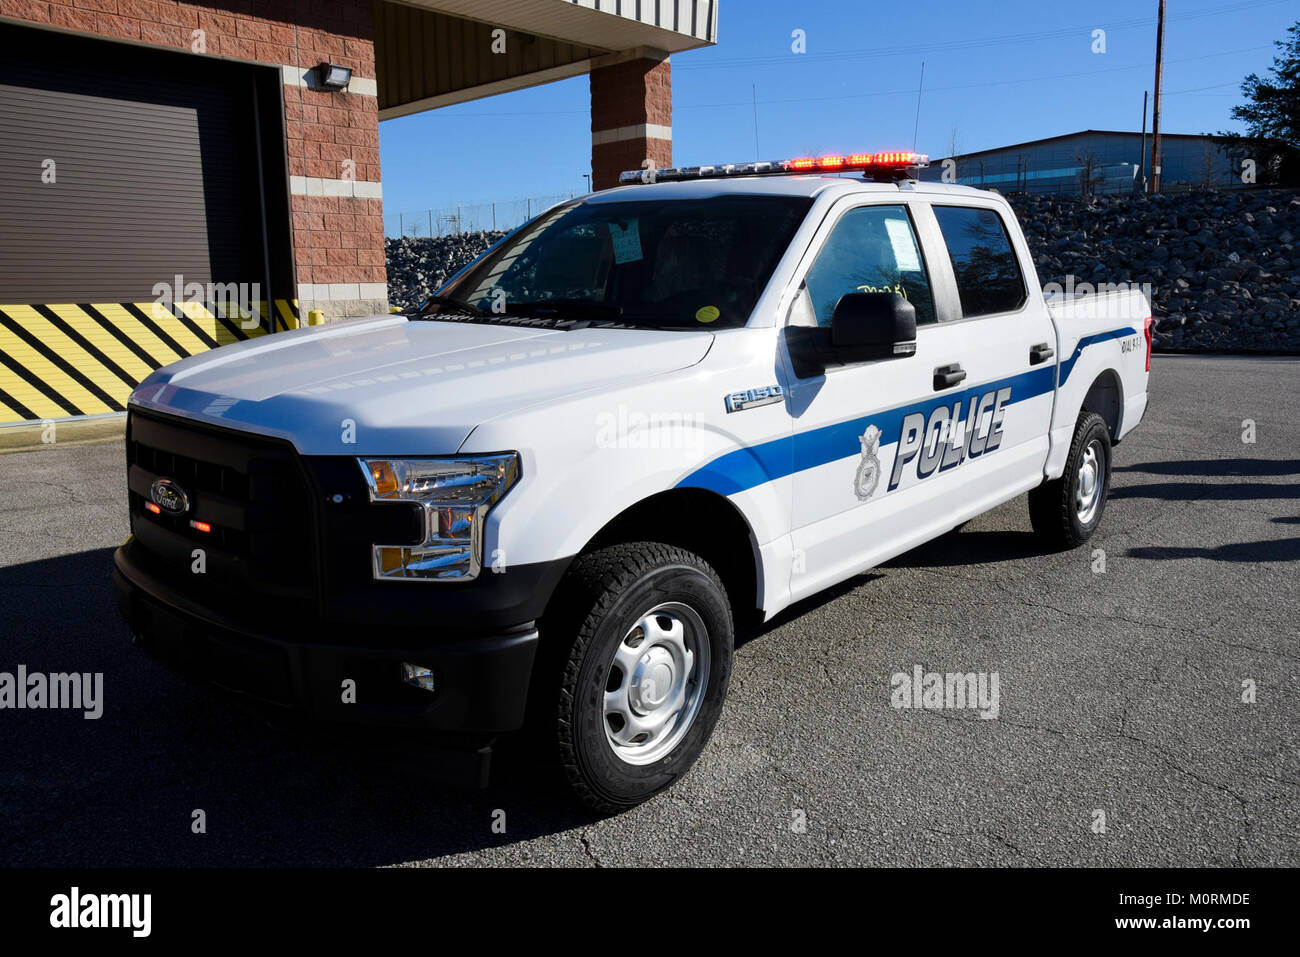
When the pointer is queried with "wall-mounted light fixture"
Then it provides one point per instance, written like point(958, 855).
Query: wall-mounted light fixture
point(331, 76)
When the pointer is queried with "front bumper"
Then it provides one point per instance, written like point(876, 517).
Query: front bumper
point(481, 680)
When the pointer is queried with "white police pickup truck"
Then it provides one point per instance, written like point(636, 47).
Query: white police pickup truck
point(646, 419)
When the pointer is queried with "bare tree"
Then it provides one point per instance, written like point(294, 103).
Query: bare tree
point(1208, 158)
point(1088, 170)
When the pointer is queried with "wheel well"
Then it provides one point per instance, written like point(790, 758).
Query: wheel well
point(1106, 398)
point(702, 522)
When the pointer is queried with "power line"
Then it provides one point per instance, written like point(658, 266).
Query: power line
point(892, 92)
point(966, 44)
point(910, 92)
point(973, 86)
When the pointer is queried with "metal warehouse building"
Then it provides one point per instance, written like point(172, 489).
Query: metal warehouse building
point(1111, 161)
point(180, 175)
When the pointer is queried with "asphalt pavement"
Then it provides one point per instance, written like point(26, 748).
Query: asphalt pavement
point(1122, 736)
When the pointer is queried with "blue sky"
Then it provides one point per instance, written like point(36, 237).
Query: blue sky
point(996, 72)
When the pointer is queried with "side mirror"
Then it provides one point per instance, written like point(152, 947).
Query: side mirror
point(873, 325)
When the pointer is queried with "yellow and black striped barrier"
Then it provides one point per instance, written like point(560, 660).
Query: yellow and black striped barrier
point(71, 359)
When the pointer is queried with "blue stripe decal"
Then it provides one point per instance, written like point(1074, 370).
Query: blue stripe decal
point(757, 465)
point(1068, 364)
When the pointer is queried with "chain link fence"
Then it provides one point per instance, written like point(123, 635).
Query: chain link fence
point(486, 216)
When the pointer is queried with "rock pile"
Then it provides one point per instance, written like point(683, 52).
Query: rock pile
point(417, 267)
point(1223, 266)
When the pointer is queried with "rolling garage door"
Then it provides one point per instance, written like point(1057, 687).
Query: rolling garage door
point(130, 197)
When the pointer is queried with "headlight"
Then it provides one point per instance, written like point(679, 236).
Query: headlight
point(455, 496)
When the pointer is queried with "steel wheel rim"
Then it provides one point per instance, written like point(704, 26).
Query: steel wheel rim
point(1089, 483)
point(655, 683)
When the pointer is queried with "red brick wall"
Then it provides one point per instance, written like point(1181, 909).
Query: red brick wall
point(336, 239)
point(630, 94)
point(637, 91)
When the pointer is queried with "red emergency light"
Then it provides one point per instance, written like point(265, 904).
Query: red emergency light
point(890, 165)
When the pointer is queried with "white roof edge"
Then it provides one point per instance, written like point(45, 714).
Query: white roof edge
point(668, 25)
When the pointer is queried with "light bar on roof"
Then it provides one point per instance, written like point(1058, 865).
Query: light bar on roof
point(886, 165)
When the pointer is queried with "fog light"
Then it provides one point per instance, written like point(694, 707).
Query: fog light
point(418, 676)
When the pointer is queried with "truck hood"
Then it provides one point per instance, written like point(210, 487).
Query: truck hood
point(388, 385)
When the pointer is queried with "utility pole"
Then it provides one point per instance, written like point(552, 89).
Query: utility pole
point(919, 90)
point(1142, 161)
point(1155, 112)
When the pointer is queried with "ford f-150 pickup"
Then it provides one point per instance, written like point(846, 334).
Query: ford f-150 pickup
point(550, 497)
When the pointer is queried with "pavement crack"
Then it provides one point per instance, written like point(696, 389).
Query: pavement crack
point(587, 848)
point(988, 836)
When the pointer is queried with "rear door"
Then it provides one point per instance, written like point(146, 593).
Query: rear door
point(1004, 340)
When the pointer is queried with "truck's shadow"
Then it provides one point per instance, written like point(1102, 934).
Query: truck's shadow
point(1221, 468)
point(970, 547)
point(1272, 550)
point(122, 790)
point(1198, 489)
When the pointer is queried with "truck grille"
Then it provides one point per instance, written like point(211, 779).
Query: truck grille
point(250, 492)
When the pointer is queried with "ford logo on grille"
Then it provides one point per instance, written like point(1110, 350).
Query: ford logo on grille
point(169, 497)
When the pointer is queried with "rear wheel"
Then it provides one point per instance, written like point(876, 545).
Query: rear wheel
point(642, 639)
point(1065, 512)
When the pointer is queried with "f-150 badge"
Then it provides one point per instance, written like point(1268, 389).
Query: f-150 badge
point(868, 477)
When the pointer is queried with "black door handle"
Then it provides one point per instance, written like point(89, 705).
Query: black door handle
point(1040, 353)
point(945, 377)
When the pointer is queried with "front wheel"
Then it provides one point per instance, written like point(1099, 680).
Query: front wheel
point(1066, 511)
point(643, 634)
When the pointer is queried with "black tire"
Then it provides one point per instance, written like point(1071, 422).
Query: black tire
point(601, 601)
point(1054, 509)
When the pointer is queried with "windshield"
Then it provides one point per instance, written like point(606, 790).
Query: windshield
point(680, 262)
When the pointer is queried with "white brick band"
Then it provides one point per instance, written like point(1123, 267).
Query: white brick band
point(319, 186)
point(325, 291)
point(651, 131)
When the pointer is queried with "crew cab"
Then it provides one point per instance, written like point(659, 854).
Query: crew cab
point(647, 419)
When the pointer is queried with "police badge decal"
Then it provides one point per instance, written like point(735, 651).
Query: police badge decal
point(868, 477)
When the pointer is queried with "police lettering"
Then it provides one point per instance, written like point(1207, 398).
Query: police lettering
point(947, 438)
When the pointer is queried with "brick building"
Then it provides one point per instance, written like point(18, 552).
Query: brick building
point(180, 175)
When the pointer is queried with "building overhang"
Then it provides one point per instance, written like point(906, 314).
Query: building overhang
point(432, 53)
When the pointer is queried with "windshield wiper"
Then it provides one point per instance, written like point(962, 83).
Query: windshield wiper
point(565, 307)
point(467, 308)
